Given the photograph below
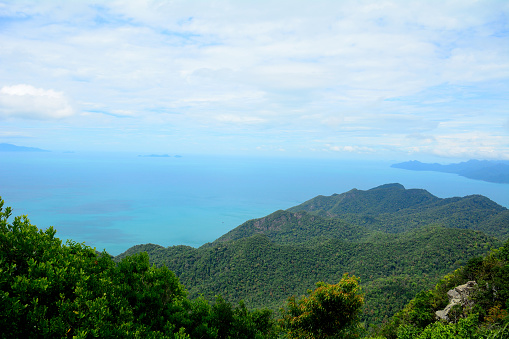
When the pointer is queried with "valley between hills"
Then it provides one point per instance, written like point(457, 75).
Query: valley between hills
point(398, 241)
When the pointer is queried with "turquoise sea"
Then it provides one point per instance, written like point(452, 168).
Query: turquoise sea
point(115, 201)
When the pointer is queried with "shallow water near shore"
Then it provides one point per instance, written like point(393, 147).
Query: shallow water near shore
point(115, 201)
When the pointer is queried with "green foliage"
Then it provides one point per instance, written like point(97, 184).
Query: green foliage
point(397, 241)
point(329, 311)
point(284, 227)
point(465, 328)
point(392, 268)
point(488, 318)
point(50, 290)
point(392, 208)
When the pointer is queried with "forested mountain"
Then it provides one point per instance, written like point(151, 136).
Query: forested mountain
point(389, 198)
point(264, 274)
point(285, 227)
point(54, 290)
point(392, 208)
point(397, 241)
point(481, 311)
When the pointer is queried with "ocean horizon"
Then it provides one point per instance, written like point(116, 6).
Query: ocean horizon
point(116, 201)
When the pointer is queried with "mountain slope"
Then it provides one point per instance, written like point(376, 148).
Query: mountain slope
point(397, 241)
point(484, 315)
point(392, 208)
point(284, 227)
point(389, 198)
point(264, 273)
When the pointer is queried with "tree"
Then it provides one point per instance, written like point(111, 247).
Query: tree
point(50, 290)
point(330, 311)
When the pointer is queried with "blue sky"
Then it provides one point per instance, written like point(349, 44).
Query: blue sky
point(369, 79)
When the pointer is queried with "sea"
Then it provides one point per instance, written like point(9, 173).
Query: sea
point(114, 201)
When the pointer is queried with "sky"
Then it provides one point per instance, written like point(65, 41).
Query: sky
point(371, 79)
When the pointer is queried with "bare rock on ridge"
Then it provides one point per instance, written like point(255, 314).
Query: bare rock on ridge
point(457, 296)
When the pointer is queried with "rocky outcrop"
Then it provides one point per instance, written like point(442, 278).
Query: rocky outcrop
point(457, 296)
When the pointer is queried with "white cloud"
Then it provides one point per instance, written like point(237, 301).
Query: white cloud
point(368, 71)
point(13, 134)
point(28, 102)
point(480, 145)
point(426, 139)
point(350, 149)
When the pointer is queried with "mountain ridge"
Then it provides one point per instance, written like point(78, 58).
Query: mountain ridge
point(393, 208)
point(388, 208)
point(265, 260)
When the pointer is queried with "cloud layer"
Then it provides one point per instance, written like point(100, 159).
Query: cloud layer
point(331, 77)
point(28, 102)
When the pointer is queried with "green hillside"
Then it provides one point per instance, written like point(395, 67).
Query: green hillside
point(483, 315)
point(48, 289)
point(284, 227)
point(264, 274)
point(392, 208)
point(389, 198)
point(397, 241)
point(54, 290)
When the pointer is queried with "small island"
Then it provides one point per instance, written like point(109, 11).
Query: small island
point(158, 156)
point(496, 171)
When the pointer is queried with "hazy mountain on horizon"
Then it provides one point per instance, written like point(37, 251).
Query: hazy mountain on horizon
point(5, 147)
point(496, 171)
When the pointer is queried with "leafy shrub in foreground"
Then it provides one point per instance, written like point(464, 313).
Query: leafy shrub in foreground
point(50, 290)
point(330, 311)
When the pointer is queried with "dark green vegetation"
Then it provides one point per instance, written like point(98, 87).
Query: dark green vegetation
point(397, 241)
point(486, 170)
point(330, 311)
point(50, 290)
point(393, 209)
point(487, 317)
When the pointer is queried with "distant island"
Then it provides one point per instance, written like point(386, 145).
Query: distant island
point(159, 156)
point(4, 147)
point(496, 171)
